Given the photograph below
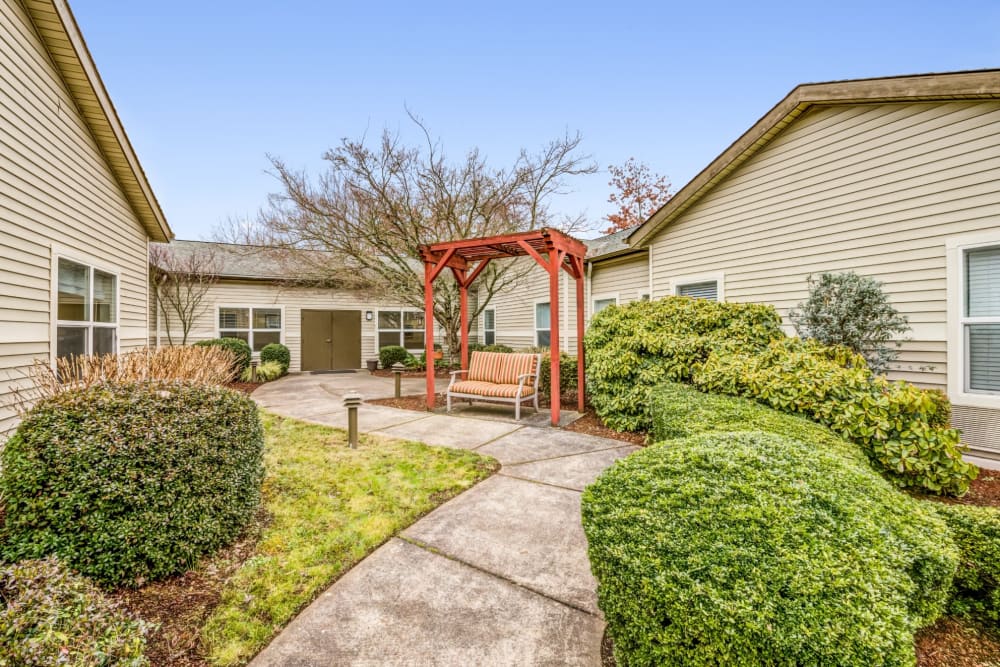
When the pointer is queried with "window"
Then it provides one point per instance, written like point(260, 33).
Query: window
point(602, 302)
point(490, 326)
point(644, 296)
point(699, 287)
point(543, 325)
point(257, 326)
point(86, 310)
point(981, 320)
point(401, 327)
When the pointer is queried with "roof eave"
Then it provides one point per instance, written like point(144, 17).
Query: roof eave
point(982, 84)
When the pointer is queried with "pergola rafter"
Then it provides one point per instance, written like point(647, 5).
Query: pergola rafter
point(551, 249)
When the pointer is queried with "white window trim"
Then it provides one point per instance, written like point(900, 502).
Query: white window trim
point(534, 322)
point(719, 278)
point(400, 310)
point(58, 252)
point(607, 296)
point(644, 293)
point(250, 306)
point(494, 329)
point(956, 247)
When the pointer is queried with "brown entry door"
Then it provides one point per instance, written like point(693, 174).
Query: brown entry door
point(331, 340)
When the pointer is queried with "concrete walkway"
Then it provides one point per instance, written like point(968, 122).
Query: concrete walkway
point(496, 576)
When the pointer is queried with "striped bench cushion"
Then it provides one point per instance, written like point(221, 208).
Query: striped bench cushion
point(500, 367)
point(490, 389)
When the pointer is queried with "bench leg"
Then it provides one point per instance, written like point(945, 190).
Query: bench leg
point(448, 401)
point(517, 410)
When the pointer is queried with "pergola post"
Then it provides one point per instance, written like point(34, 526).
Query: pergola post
point(580, 401)
point(463, 299)
point(555, 264)
point(429, 275)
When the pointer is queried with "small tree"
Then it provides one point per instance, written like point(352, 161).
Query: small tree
point(853, 311)
point(180, 280)
point(638, 193)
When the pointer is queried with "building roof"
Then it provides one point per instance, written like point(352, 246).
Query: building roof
point(980, 84)
point(65, 44)
point(611, 245)
point(237, 261)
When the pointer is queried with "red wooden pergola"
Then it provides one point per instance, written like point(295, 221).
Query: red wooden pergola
point(552, 249)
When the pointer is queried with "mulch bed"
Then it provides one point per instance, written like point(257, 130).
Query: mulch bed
point(245, 387)
point(983, 491)
point(591, 424)
point(438, 372)
point(178, 607)
point(416, 403)
point(955, 643)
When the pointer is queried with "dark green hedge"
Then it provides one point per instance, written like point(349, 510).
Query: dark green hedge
point(752, 548)
point(240, 349)
point(392, 354)
point(635, 347)
point(131, 482)
point(278, 353)
point(567, 373)
point(976, 531)
point(51, 616)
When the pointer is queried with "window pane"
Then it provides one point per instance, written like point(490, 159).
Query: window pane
point(413, 320)
point(262, 338)
point(266, 318)
point(74, 290)
point(388, 319)
point(982, 282)
point(489, 337)
point(413, 340)
point(542, 316)
point(542, 339)
point(984, 357)
point(104, 297)
point(242, 335)
point(601, 304)
point(644, 297)
point(104, 340)
point(706, 290)
point(71, 341)
point(489, 319)
point(386, 338)
point(234, 318)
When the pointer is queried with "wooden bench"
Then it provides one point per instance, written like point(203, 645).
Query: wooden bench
point(499, 377)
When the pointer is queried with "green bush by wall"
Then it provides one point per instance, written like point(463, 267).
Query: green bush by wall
point(902, 429)
point(633, 348)
point(567, 373)
point(131, 482)
point(392, 354)
point(278, 353)
point(753, 548)
point(976, 531)
point(51, 616)
point(240, 349)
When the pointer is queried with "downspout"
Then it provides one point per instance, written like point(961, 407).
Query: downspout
point(649, 254)
point(588, 289)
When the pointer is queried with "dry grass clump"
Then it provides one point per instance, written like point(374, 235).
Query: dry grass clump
point(202, 365)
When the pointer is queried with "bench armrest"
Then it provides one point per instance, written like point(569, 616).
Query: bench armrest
point(525, 376)
point(454, 373)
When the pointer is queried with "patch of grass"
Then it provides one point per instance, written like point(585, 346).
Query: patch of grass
point(330, 506)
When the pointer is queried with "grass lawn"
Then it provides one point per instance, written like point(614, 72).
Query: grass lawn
point(327, 507)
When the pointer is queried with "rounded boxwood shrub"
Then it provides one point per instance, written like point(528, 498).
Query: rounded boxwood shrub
point(498, 347)
point(131, 482)
point(392, 354)
point(240, 349)
point(753, 548)
point(567, 373)
point(976, 531)
point(51, 616)
point(278, 353)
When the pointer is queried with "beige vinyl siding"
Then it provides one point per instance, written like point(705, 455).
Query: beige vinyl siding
point(871, 188)
point(56, 190)
point(626, 277)
point(293, 300)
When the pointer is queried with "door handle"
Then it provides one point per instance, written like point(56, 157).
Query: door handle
point(329, 340)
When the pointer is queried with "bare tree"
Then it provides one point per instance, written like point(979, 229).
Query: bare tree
point(180, 280)
point(375, 205)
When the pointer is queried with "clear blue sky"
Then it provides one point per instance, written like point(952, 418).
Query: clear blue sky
point(207, 89)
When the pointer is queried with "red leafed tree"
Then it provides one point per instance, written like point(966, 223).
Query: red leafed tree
point(637, 192)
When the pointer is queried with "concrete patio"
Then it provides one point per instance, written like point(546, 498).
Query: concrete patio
point(498, 575)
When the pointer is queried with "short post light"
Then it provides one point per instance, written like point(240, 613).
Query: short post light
point(253, 370)
point(351, 401)
point(397, 374)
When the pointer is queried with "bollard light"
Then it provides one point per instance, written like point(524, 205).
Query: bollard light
point(253, 370)
point(351, 401)
point(397, 373)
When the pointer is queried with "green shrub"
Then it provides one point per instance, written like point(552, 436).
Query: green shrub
point(753, 548)
point(497, 347)
point(265, 372)
point(852, 311)
point(415, 363)
point(392, 354)
point(679, 410)
point(131, 482)
point(900, 427)
point(51, 616)
point(976, 531)
point(240, 349)
point(276, 352)
point(567, 373)
point(633, 348)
